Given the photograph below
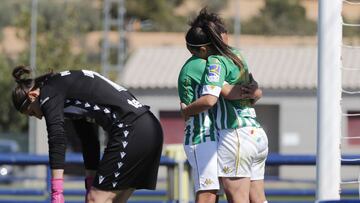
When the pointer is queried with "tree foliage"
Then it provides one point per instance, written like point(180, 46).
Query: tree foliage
point(59, 24)
point(160, 13)
point(280, 17)
point(10, 119)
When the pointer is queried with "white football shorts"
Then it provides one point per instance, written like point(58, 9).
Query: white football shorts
point(242, 152)
point(203, 161)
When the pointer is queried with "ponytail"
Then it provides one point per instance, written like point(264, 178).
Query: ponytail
point(207, 28)
point(220, 46)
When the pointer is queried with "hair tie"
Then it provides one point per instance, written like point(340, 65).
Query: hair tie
point(198, 45)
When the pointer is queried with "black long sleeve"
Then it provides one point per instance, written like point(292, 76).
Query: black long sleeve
point(54, 117)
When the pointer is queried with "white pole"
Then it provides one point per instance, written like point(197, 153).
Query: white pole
point(32, 121)
point(34, 6)
point(328, 103)
point(237, 23)
point(105, 43)
point(122, 36)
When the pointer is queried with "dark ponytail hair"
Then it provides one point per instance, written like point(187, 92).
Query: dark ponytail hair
point(206, 29)
point(24, 85)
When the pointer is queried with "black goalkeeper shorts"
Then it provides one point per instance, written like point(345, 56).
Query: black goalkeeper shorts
point(132, 156)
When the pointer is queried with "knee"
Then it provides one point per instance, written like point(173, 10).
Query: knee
point(237, 197)
point(257, 200)
point(206, 196)
point(91, 196)
point(258, 197)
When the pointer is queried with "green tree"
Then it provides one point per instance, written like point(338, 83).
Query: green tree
point(159, 12)
point(59, 25)
point(8, 11)
point(10, 119)
point(214, 5)
point(280, 17)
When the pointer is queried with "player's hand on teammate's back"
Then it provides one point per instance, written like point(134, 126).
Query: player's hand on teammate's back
point(255, 91)
point(253, 82)
point(182, 107)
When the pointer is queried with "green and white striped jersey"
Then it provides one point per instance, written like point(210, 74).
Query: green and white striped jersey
point(199, 128)
point(229, 114)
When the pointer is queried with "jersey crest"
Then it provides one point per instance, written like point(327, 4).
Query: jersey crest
point(214, 73)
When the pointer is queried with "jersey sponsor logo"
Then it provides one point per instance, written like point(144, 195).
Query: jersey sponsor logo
point(208, 182)
point(214, 73)
point(227, 170)
point(247, 112)
point(135, 103)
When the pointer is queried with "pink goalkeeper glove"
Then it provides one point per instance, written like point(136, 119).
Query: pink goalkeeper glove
point(57, 189)
point(88, 183)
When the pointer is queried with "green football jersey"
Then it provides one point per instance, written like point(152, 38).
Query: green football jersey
point(229, 114)
point(199, 128)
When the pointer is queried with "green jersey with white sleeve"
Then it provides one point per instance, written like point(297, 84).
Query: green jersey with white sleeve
point(199, 128)
point(229, 114)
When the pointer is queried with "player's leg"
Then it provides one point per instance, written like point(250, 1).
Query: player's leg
point(90, 145)
point(235, 154)
point(236, 189)
point(89, 179)
point(203, 161)
point(130, 161)
point(100, 196)
point(206, 196)
point(123, 195)
point(257, 194)
point(257, 189)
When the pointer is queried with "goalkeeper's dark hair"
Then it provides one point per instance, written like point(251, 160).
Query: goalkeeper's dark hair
point(24, 85)
point(206, 30)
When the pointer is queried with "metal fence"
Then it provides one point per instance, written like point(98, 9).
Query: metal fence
point(162, 195)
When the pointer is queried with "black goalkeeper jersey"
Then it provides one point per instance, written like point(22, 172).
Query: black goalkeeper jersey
point(86, 95)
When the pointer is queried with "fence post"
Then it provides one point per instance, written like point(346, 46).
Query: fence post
point(48, 183)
